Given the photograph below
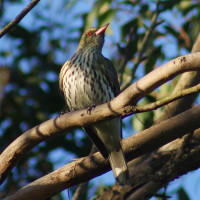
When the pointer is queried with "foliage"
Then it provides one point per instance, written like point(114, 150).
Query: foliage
point(36, 48)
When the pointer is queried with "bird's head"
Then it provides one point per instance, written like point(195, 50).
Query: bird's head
point(93, 38)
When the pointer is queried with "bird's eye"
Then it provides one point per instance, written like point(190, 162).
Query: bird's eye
point(88, 33)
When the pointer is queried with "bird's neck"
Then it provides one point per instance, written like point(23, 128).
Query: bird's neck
point(85, 56)
point(89, 50)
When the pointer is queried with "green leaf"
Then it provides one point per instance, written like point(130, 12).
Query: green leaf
point(107, 17)
point(172, 31)
point(166, 5)
point(125, 30)
point(152, 58)
point(182, 195)
point(144, 120)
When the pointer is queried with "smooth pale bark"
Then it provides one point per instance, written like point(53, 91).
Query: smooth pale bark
point(84, 169)
point(114, 108)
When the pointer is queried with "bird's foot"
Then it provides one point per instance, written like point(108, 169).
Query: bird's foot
point(62, 113)
point(90, 108)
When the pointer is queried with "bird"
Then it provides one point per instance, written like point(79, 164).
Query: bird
point(88, 78)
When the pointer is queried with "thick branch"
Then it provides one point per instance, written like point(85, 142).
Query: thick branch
point(187, 80)
point(82, 189)
point(117, 107)
point(86, 168)
point(144, 167)
point(155, 79)
point(151, 173)
point(18, 18)
point(177, 158)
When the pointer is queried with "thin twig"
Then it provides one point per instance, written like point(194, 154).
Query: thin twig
point(161, 102)
point(145, 42)
point(125, 56)
point(18, 18)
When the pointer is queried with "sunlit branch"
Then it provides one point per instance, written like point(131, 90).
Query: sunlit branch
point(114, 108)
point(83, 169)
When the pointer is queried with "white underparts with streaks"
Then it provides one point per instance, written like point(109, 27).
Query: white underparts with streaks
point(83, 87)
point(81, 83)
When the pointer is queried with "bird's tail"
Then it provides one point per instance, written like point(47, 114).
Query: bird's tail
point(119, 167)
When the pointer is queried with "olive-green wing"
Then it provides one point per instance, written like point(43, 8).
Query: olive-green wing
point(110, 73)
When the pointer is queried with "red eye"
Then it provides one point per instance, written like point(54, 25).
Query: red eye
point(88, 34)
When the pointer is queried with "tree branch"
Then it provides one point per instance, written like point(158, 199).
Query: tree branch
point(84, 169)
point(115, 108)
point(147, 37)
point(150, 173)
point(157, 104)
point(156, 78)
point(82, 189)
point(148, 34)
point(18, 18)
point(187, 80)
point(183, 158)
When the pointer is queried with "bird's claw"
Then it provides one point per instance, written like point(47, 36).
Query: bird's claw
point(62, 113)
point(90, 108)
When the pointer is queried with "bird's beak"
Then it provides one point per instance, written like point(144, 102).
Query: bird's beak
point(102, 29)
